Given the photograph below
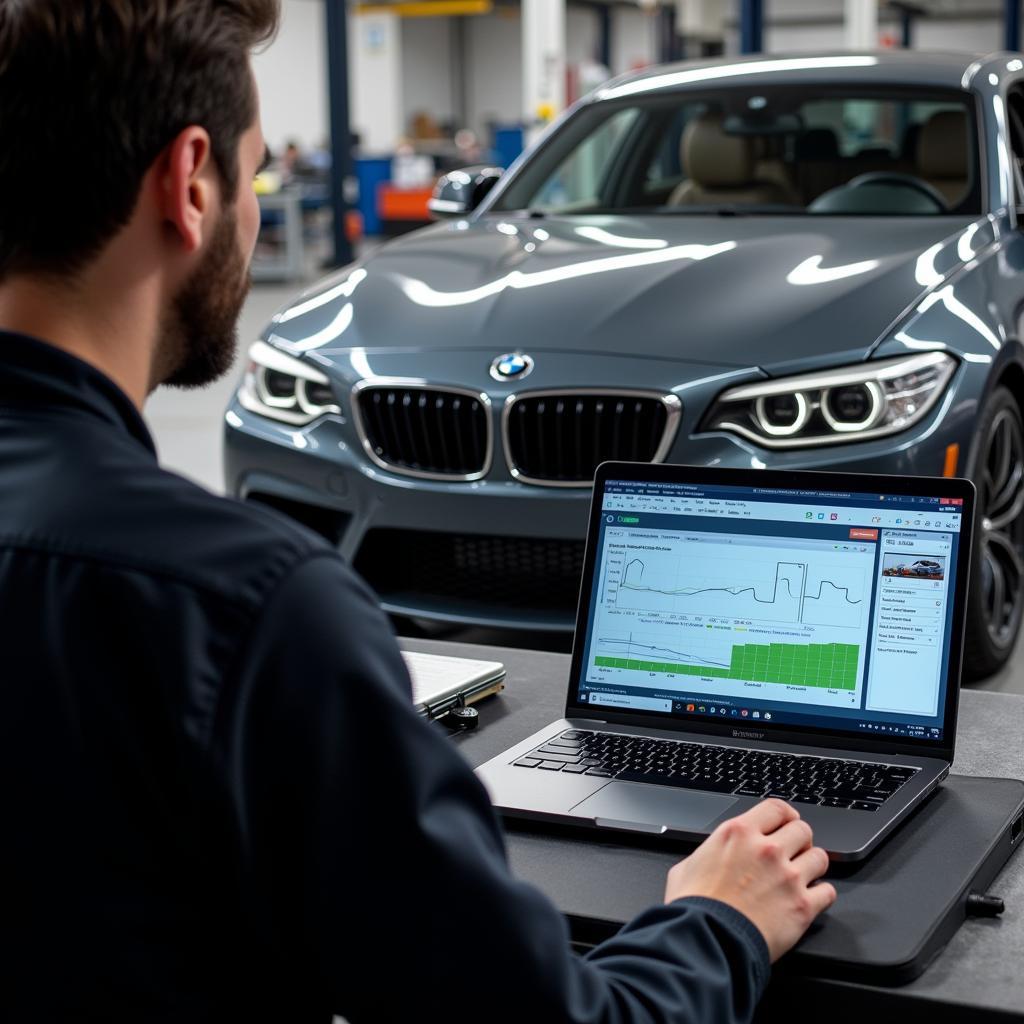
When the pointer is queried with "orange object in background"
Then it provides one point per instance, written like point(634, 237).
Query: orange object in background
point(403, 203)
point(952, 458)
point(353, 225)
point(428, 8)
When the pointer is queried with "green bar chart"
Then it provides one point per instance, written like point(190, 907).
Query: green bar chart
point(831, 666)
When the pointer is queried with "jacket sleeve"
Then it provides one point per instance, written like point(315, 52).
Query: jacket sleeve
point(376, 866)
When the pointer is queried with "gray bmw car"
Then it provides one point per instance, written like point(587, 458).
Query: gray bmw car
point(804, 262)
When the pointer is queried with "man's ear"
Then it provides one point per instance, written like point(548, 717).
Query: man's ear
point(187, 186)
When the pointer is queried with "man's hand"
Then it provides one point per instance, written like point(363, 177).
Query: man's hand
point(763, 864)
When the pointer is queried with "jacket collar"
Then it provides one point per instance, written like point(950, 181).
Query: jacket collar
point(36, 375)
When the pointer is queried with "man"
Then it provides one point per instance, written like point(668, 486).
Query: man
point(218, 802)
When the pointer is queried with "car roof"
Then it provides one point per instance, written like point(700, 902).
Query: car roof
point(950, 70)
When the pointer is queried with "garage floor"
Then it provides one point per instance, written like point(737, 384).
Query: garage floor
point(187, 427)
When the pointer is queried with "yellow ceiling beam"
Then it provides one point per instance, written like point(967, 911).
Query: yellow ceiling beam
point(429, 8)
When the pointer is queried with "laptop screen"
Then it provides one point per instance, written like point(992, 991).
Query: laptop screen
point(802, 608)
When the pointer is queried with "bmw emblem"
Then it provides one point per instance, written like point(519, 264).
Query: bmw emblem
point(512, 365)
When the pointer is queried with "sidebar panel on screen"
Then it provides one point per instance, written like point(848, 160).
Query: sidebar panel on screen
point(912, 597)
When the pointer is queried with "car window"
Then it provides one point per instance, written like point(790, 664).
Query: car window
point(667, 162)
point(577, 180)
point(760, 151)
point(1015, 126)
point(860, 125)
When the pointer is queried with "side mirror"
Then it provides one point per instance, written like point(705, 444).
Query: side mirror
point(460, 192)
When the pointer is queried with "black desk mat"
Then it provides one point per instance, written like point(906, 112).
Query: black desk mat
point(895, 911)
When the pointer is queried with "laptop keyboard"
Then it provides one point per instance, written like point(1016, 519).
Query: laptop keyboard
point(800, 779)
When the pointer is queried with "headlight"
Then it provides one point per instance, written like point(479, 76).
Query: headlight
point(284, 388)
point(855, 403)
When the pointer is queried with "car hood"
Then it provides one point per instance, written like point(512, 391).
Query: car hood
point(726, 291)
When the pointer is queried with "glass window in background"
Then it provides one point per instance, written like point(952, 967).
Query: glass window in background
point(764, 151)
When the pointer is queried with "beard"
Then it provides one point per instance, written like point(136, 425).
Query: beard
point(199, 333)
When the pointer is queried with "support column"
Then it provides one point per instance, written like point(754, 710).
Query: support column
point(375, 50)
point(543, 62)
point(906, 29)
point(668, 41)
point(908, 15)
point(604, 46)
point(1011, 24)
point(341, 133)
point(861, 28)
point(700, 27)
point(751, 26)
point(460, 112)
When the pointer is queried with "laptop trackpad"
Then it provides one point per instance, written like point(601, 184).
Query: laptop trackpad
point(653, 808)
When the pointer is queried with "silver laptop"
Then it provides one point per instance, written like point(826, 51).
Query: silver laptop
point(746, 634)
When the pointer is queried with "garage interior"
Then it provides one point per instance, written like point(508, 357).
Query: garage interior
point(419, 75)
point(512, 510)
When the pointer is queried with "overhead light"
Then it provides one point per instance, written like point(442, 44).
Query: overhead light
point(812, 272)
point(741, 68)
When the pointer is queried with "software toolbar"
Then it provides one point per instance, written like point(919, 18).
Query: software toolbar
point(929, 518)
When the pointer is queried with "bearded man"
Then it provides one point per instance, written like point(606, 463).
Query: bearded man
point(218, 802)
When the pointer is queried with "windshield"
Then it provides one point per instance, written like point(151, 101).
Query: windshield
point(750, 151)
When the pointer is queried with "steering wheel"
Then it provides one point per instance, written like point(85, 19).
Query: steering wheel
point(901, 181)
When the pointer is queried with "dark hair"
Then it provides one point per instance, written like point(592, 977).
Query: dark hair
point(91, 92)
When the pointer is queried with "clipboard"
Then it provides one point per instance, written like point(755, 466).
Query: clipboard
point(441, 682)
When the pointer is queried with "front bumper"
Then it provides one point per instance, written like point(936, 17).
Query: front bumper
point(496, 551)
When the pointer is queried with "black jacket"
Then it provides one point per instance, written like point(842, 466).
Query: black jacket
point(217, 801)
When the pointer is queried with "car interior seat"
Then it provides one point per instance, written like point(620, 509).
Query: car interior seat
point(770, 165)
point(818, 164)
point(908, 148)
point(721, 168)
point(942, 154)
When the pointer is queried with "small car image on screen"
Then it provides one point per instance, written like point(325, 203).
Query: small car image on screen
point(933, 568)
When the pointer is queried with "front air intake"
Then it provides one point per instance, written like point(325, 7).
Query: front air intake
point(432, 432)
point(559, 438)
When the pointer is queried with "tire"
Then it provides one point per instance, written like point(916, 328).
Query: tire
point(995, 597)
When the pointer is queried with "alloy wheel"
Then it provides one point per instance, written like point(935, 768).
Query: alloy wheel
point(1001, 539)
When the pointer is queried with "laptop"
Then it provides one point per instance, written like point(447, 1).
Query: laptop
point(440, 681)
point(748, 634)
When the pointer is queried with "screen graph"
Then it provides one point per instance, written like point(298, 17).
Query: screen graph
point(757, 584)
point(728, 613)
point(833, 666)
